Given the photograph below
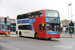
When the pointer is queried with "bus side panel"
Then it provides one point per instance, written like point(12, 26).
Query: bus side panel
point(40, 20)
point(28, 33)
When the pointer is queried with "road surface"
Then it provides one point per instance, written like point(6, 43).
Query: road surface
point(14, 42)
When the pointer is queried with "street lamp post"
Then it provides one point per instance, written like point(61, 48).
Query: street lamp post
point(68, 16)
point(71, 10)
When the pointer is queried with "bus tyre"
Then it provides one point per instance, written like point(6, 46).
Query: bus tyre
point(36, 36)
point(49, 38)
point(20, 35)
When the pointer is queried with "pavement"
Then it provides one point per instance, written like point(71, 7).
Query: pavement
point(13, 33)
point(67, 35)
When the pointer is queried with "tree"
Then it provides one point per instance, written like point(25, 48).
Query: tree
point(74, 21)
point(65, 20)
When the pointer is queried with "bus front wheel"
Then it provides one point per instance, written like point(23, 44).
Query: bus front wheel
point(49, 38)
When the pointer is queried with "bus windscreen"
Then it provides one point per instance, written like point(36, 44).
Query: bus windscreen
point(51, 13)
point(53, 27)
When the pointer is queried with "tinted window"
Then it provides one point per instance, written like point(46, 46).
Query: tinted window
point(2, 27)
point(37, 14)
point(41, 13)
point(28, 15)
point(19, 17)
point(32, 15)
point(25, 16)
point(24, 27)
point(14, 24)
point(22, 16)
point(13, 29)
point(8, 26)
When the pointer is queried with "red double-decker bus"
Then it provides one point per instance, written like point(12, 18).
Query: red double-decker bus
point(43, 23)
point(4, 26)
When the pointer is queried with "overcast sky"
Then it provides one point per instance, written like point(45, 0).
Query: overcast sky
point(12, 8)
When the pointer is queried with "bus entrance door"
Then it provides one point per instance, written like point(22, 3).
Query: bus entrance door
point(42, 30)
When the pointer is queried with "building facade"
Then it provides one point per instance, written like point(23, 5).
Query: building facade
point(13, 25)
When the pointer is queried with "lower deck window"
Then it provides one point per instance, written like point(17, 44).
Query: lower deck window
point(24, 27)
point(5, 27)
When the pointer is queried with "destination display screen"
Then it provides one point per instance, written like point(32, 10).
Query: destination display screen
point(54, 20)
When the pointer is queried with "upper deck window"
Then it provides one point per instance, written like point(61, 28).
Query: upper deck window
point(22, 16)
point(8, 20)
point(31, 15)
point(2, 19)
point(41, 13)
point(51, 13)
point(36, 14)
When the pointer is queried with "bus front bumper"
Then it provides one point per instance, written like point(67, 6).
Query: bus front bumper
point(52, 35)
point(2, 32)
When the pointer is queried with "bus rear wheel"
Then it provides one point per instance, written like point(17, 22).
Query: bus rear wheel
point(16, 32)
point(36, 36)
point(20, 35)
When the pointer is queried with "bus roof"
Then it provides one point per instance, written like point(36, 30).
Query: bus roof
point(41, 10)
point(37, 10)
